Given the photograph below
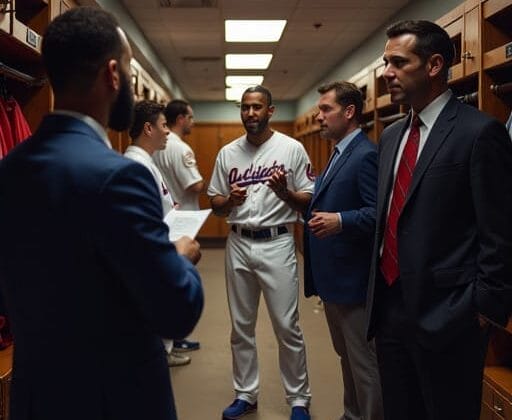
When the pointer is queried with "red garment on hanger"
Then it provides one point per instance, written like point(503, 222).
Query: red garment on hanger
point(1, 143)
point(19, 127)
point(6, 140)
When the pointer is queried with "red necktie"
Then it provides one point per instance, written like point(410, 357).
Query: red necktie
point(389, 259)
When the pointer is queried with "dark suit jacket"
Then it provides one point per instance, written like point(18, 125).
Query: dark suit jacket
point(90, 279)
point(336, 268)
point(455, 230)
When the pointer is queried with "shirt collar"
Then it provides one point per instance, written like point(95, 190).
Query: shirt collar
point(91, 122)
point(345, 141)
point(429, 114)
point(140, 151)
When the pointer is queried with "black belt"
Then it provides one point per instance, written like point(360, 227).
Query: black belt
point(261, 233)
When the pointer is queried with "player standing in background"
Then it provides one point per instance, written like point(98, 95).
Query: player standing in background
point(149, 133)
point(178, 166)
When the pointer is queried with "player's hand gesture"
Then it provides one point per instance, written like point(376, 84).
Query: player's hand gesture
point(277, 183)
point(237, 195)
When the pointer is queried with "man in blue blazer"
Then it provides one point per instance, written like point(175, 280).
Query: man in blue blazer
point(89, 276)
point(339, 229)
point(441, 267)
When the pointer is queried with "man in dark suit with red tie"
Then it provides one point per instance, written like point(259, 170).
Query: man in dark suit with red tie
point(441, 270)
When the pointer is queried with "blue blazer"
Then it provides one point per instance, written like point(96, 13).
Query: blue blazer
point(337, 267)
point(90, 280)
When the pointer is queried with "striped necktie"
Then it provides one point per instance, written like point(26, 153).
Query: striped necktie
point(389, 264)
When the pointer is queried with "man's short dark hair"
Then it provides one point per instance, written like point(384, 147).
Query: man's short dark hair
point(144, 111)
point(346, 94)
point(174, 109)
point(430, 39)
point(77, 44)
point(260, 89)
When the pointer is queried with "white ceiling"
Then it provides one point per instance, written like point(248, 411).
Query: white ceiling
point(319, 33)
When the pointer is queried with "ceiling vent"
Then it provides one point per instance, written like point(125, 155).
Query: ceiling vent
point(187, 3)
point(201, 59)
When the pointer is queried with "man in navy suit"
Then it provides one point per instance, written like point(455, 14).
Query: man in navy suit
point(441, 266)
point(340, 224)
point(89, 276)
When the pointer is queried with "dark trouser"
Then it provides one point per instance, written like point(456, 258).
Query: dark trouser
point(423, 384)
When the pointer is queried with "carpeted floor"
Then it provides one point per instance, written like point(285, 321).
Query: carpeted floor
point(204, 388)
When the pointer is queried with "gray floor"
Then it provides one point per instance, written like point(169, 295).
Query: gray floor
point(204, 388)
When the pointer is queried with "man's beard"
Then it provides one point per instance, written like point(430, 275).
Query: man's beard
point(121, 113)
point(256, 129)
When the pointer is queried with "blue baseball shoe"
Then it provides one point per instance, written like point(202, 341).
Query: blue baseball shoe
point(185, 345)
point(300, 413)
point(238, 409)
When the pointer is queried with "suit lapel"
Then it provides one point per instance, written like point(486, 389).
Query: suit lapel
point(323, 183)
point(387, 164)
point(441, 129)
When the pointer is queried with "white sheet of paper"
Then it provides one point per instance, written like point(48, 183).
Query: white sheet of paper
point(185, 222)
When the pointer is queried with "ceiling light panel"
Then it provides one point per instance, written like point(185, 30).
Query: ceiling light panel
point(244, 80)
point(248, 61)
point(235, 93)
point(254, 30)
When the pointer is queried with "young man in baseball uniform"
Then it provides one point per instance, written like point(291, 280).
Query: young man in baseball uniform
point(149, 133)
point(178, 166)
point(259, 182)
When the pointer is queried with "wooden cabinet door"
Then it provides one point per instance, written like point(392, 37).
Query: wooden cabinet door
point(471, 53)
point(486, 412)
point(204, 140)
point(455, 30)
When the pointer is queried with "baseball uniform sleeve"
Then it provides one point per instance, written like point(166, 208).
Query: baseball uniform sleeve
point(185, 166)
point(303, 179)
point(219, 184)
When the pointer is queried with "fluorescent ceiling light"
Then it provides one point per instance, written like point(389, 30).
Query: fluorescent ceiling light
point(235, 93)
point(254, 30)
point(248, 61)
point(244, 80)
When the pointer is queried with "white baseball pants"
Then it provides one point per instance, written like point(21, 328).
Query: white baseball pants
point(268, 266)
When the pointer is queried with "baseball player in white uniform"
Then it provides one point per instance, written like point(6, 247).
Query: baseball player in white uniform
point(149, 133)
point(177, 161)
point(259, 182)
point(178, 166)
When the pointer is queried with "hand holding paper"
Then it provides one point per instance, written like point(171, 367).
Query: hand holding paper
point(189, 248)
point(185, 222)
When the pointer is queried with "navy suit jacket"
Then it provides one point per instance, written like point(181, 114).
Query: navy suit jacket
point(336, 268)
point(90, 280)
point(455, 230)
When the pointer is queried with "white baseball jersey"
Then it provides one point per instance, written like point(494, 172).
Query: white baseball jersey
point(138, 154)
point(251, 166)
point(178, 166)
